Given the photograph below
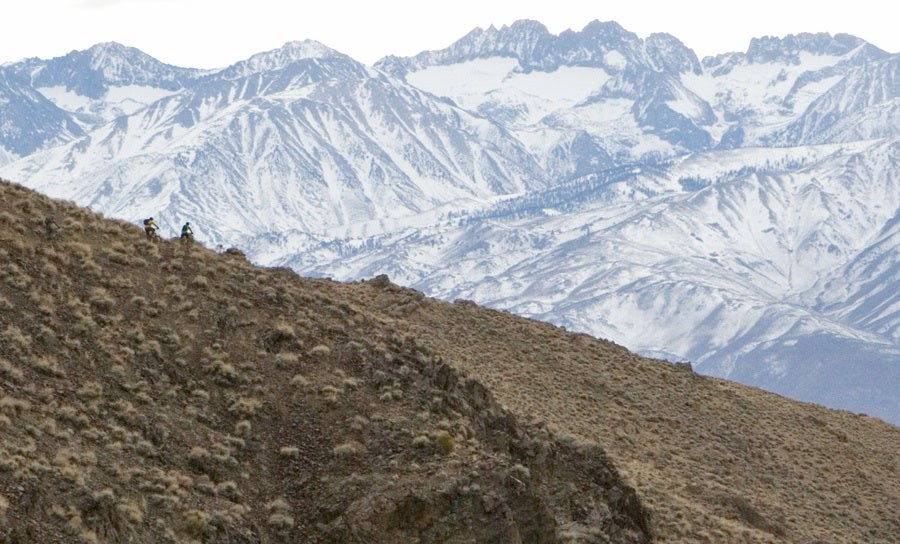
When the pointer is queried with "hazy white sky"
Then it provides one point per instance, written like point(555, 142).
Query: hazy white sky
point(216, 33)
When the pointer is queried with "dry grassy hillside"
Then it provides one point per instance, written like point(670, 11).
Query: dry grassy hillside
point(714, 461)
point(156, 393)
point(152, 393)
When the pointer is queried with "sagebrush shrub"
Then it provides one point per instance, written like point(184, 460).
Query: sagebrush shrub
point(351, 447)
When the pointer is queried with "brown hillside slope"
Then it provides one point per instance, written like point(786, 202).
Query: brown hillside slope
point(714, 460)
point(155, 393)
point(250, 405)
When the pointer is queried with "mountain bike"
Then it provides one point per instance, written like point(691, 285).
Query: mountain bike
point(153, 235)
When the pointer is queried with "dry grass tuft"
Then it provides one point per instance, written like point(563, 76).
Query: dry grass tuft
point(279, 514)
point(348, 448)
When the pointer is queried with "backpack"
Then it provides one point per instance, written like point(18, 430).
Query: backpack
point(146, 222)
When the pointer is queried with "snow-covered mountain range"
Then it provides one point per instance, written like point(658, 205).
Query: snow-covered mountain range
point(739, 211)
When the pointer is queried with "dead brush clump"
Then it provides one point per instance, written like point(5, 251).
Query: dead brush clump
point(281, 337)
point(140, 303)
point(8, 220)
point(331, 393)
point(10, 371)
point(214, 465)
point(47, 365)
point(391, 391)
point(199, 282)
point(349, 383)
point(46, 306)
point(83, 257)
point(244, 406)
point(71, 416)
point(230, 490)
point(72, 225)
point(359, 423)
point(124, 410)
point(201, 461)
point(16, 340)
point(226, 318)
point(222, 371)
point(101, 300)
point(118, 254)
point(147, 351)
point(280, 514)
point(74, 525)
point(286, 360)
point(147, 249)
point(13, 406)
point(118, 283)
point(195, 523)
point(14, 276)
point(110, 517)
point(50, 279)
point(289, 451)
point(167, 337)
point(175, 289)
point(223, 452)
point(73, 465)
point(242, 428)
point(90, 391)
point(439, 441)
point(348, 448)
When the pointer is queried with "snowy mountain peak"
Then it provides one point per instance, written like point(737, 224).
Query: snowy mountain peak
point(522, 35)
point(287, 54)
point(668, 54)
point(109, 54)
point(607, 35)
point(91, 73)
point(787, 49)
point(523, 40)
point(523, 30)
point(598, 44)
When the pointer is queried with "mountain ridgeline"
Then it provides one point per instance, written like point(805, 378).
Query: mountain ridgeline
point(162, 392)
point(738, 211)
